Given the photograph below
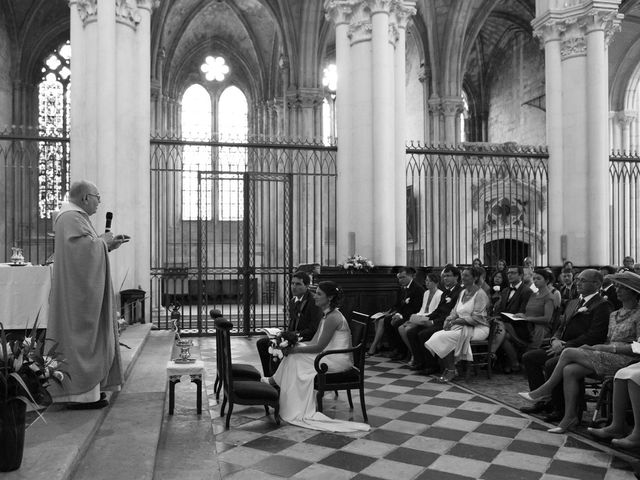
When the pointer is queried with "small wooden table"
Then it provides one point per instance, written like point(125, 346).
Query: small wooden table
point(175, 371)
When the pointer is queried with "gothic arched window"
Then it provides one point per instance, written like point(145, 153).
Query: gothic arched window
point(329, 82)
point(54, 121)
point(233, 126)
point(196, 125)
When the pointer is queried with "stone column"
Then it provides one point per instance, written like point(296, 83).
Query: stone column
point(583, 29)
point(339, 14)
point(452, 108)
point(424, 77)
point(110, 115)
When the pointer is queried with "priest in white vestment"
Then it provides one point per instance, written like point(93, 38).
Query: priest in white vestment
point(82, 315)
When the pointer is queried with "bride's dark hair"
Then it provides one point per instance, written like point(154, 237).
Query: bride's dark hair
point(331, 290)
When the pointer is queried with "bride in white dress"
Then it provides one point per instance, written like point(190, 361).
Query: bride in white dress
point(296, 373)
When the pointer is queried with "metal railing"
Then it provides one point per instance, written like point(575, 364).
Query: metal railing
point(624, 172)
point(231, 221)
point(476, 200)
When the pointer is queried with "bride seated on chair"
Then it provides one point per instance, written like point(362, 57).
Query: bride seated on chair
point(296, 372)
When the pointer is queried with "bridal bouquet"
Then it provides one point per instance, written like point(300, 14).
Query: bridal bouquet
point(282, 344)
point(357, 263)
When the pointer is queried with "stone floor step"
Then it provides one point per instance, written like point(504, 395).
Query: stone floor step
point(54, 446)
point(125, 444)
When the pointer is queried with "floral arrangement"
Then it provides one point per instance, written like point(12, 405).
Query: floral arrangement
point(282, 344)
point(357, 263)
point(25, 372)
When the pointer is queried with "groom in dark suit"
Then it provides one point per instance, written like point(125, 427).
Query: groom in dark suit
point(304, 317)
point(409, 301)
point(585, 322)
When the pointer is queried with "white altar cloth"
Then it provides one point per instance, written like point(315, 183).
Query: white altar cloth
point(24, 291)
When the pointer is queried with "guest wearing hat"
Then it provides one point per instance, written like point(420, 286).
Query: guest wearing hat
point(597, 360)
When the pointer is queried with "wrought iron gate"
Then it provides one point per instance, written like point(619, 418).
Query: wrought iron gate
point(227, 238)
point(248, 280)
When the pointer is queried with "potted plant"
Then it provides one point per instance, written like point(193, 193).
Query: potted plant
point(25, 373)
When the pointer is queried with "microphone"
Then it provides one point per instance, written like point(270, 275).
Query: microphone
point(107, 227)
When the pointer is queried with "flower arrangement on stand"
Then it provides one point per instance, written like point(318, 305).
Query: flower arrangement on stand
point(282, 344)
point(25, 373)
point(357, 263)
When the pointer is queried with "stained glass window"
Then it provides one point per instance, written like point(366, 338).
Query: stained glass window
point(54, 121)
point(196, 125)
point(233, 127)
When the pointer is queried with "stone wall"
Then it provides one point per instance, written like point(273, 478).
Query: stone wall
point(518, 78)
point(415, 94)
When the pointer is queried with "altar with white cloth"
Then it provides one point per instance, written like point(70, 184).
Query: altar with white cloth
point(24, 291)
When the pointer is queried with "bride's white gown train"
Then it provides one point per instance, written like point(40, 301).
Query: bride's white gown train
point(295, 377)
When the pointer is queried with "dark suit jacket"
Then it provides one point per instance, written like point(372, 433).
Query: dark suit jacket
point(567, 293)
point(409, 300)
point(611, 296)
point(305, 316)
point(517, 303)
point(585, 328)
point(448, 300)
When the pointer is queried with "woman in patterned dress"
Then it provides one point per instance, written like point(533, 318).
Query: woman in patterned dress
point(596, 360)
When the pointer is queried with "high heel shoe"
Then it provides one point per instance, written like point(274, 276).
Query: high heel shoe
point(527, 396)
point(448, 375)
point(601, 434)
point(572, 424)
point(624, 443)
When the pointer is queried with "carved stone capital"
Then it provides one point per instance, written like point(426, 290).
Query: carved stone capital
point(424, 74)
point(573, 47)
point(625, 117)
point(87, 9)
point(380, 6)
point(452, 106)
point(403, 11)
point(127, 13)
point(435, 105)
point(360, 31)
point(305, 98)
point(339, 11)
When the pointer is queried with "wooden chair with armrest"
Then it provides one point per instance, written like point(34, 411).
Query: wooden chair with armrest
point(349, 379)
point(241, 391)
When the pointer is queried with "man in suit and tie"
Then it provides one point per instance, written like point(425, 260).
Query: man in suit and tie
point(568, 288)
point(585, 322)
point(408, 302)
point(304, 317)
point(423, 360)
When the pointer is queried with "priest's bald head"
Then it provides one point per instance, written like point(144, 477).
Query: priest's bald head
point(85, 195)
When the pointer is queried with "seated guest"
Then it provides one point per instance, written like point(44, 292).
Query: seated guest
point(557, 298)
point(527, 268)
point(568, 289)
point(598, 360)
point(568, 264)
point(627, 264)
point(467, 321)
point(409, 300)
point(584, 323)
point(304, 317)
point(512, 300)
point(476, 262)
point(608, 291)
point(626, 390)
point(430, 302)
point(501, 266)
point(434, 321)
point(535, 324)
point(499, 282)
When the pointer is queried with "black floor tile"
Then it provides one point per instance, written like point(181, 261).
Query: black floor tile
point(576, 470)
point(348, 461)
point(281, 465)
point(388, 436)
point(439, 475)
point(505, 412)
point(469, 415)
point(443, 433)
point(444, 402)
point(380, 393)
point(406, 383)
point(395, 404)
point(412, 456)
point(500, 472)
point(269, 444)
point(423, 418)
point(330, 440)
point(498, 430)
point(473, 451)
point(540, 449)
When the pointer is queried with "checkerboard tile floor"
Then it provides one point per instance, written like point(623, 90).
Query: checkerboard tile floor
point(420, 430)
